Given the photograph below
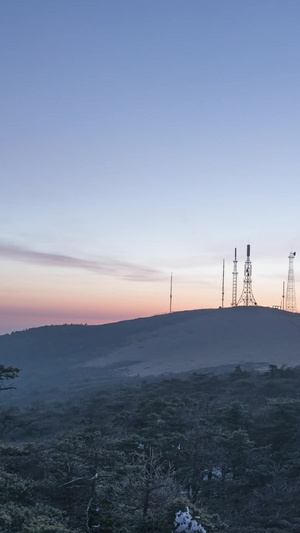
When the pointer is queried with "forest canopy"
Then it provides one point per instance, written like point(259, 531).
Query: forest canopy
point(225, 447)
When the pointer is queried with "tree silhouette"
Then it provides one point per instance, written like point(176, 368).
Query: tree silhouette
point(6, 373)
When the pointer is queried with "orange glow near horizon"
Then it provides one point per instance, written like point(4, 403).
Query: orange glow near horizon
point(35, 314)
point(114, 303)
point(36, 297)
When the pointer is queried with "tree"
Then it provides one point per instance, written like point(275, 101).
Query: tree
point(6, 373)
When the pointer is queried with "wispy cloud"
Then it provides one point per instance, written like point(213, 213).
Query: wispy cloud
point(104, 265)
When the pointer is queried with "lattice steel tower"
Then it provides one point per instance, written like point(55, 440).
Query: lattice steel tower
point(247, 297)
point(290, 301)
point(234, 280)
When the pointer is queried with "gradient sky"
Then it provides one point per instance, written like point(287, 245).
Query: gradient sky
point(139, 138)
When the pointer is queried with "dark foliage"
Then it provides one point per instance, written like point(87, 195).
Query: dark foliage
point(7, 373)
point(226, 446)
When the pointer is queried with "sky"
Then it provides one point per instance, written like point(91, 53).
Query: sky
point(141, 138)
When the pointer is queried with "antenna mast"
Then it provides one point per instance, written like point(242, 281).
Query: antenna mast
point(282, 299)
point(171, 292)
point(223, 282)
point(291, 290)
point(247, 297)
point(234, 280)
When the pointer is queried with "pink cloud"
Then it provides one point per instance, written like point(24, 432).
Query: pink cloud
point(104, 265)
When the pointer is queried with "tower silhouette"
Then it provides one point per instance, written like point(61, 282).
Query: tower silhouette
point(234, 280)
point(290, 301)
point(171, 292)
point(247, 297)
point(223, 283)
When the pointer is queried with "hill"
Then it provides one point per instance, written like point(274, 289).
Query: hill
point(72, 359)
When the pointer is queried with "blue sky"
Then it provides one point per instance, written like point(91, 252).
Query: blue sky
point(140, 138)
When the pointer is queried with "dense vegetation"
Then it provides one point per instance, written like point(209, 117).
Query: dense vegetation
point(127, 460)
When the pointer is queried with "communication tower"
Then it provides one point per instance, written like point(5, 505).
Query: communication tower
point(247, 297)
point(290, 303)
point(234, 280)
point(171, 292)
point(223, 282)
point(283, 296)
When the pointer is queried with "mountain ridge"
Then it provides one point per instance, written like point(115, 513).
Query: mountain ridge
point(72, 357)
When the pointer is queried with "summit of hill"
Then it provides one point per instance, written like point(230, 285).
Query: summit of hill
point(76, 358)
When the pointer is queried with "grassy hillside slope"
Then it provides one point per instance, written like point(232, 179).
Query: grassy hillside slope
point(73, 358)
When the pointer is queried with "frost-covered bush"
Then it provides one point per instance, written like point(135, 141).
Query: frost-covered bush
point(184, 522)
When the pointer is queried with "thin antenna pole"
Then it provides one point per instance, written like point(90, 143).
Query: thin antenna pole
point(171, 292)
point(234, 280)
point(223, 282)
point(283, 293)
